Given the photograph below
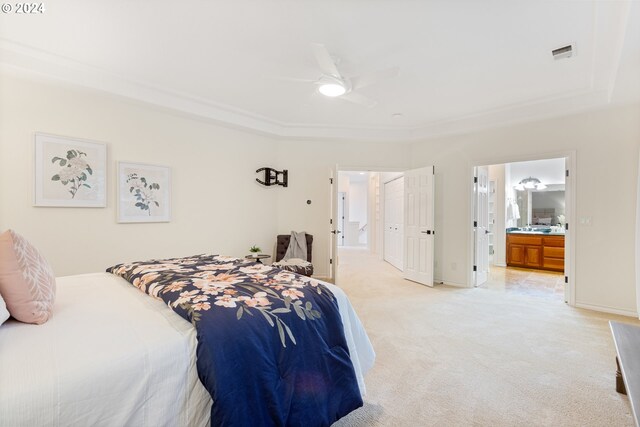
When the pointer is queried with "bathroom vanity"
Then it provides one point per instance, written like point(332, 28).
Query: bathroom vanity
point(535, 249)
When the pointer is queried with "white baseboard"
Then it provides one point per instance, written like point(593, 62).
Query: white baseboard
point(606, 309)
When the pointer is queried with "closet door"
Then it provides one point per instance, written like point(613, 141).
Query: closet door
point(394, 222)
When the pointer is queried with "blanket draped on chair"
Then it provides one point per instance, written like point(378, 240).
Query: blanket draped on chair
point(297, 246)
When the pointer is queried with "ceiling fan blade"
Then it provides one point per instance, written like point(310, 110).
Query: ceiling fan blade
point(374, 77)
point(359, 99)
point(325, 61)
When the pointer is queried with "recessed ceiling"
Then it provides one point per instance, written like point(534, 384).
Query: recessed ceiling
point(463, 65)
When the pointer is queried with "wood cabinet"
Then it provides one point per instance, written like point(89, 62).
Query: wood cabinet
point(535, 251)
point(553, 253)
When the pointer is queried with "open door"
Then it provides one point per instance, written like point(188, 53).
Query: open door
point(334, 232)
point(419, 225)
point(568, 214)
point(481, 224)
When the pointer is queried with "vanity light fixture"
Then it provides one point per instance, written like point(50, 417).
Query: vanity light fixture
point(530, 184)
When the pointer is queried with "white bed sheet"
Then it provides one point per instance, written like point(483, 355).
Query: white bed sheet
point(109, 356)
point(113, 356)
point(360, 349)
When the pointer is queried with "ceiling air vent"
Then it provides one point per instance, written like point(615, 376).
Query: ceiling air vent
point(562, 52)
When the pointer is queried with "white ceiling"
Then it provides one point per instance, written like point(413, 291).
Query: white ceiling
point(464, 65)
point(354, 177)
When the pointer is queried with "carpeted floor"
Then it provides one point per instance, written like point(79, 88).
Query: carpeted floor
point(478, 357)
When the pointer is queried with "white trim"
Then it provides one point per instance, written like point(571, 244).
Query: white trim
point(605, 309)
point(471, 237)
point(571, 207)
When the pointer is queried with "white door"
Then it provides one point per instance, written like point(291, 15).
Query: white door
point(334, 233)
point(482, 224)
point(393, 222)
point(419, 225)
point(341, 214)
point(567, 213)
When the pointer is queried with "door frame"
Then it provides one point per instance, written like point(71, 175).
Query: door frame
point(570, 203)
point(476, 217)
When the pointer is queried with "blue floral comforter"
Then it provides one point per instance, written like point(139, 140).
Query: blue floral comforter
point(271, 345)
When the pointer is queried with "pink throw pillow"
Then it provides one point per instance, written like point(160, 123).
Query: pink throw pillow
point(27, 283)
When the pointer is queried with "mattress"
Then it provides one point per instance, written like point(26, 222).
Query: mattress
point(111, 355)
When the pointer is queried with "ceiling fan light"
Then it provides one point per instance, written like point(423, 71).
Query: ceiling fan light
point(332, 89)
point(519, 187)
point(530, 185)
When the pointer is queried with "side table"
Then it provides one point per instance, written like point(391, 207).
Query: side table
point(258, 257)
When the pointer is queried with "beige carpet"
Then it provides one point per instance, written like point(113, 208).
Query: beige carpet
point(477, 357)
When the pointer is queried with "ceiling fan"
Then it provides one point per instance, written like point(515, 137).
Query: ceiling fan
point(333, 84)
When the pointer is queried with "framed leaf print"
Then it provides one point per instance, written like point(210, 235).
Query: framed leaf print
point(70, 172)
point(144, 193)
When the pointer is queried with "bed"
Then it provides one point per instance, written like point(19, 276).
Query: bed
point(112, 355)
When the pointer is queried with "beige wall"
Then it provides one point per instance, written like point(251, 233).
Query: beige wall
point(606, 145)
point(217, 206)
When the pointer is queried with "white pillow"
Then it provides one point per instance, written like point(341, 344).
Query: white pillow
point(4, 313)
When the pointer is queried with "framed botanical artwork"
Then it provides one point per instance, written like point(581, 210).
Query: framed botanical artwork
point(70, 172)
point(144, 193)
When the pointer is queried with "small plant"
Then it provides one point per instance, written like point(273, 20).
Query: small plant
point(255, 249)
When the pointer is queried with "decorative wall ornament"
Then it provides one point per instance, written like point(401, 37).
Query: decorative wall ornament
point(272, 177)
point(144, 193)
point(70, 172)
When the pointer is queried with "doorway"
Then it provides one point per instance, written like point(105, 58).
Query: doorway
point(520, 215)
point(353, 208)
point(412, 205)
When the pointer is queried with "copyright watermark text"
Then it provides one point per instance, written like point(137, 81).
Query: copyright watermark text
point(23, 8)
